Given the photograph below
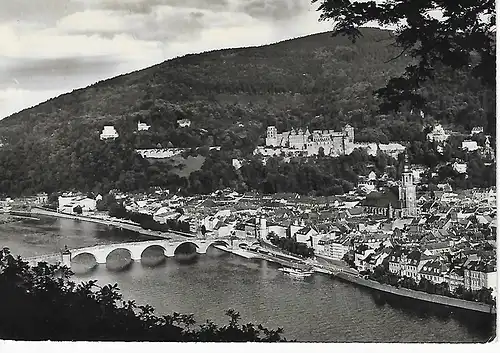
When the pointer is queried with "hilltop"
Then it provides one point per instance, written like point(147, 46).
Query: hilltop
point(230, 96)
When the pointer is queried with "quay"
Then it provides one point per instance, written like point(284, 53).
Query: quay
point(127, 225)
point(347, 274)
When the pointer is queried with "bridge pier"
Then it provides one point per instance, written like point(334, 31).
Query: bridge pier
point(66, 258)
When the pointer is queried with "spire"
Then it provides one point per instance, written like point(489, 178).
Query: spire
point(407, 164)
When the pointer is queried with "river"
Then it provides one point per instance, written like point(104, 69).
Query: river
point(319, 308)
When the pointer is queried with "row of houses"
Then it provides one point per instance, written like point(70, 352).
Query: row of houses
point(470, 274)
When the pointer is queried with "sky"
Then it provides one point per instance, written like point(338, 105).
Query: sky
point(50, 47)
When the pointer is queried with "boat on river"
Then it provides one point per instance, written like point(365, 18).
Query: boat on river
point(295, 272)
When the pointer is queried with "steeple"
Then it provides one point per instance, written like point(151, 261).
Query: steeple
point(406, 164)
point(408, 192)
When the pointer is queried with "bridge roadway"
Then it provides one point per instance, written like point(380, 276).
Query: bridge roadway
point(136, 249)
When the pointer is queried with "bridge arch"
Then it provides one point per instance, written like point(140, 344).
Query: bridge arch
point(204, 246)
point(157, 255)
point(120, 263)
point(83, 262)
point(176, 248)
point(218, 242)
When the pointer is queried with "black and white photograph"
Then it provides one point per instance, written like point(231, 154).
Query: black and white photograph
point(305, 171)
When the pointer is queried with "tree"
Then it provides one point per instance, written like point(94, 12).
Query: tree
point(42, 303)
point(78, 209)
point(462, 38)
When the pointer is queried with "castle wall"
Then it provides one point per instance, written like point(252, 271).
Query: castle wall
point(334, 143)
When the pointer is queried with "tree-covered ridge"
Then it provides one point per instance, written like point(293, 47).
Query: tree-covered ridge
point(43, 303)
point(230, 96)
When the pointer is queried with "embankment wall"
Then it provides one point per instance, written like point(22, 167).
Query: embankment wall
point(432, 298)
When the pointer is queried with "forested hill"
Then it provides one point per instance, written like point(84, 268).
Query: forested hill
point(230, 96)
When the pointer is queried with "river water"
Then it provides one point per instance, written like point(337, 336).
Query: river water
point(319, 308)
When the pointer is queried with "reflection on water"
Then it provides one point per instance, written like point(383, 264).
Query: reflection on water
point(318, 308)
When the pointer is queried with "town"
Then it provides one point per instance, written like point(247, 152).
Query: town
point(419, 238)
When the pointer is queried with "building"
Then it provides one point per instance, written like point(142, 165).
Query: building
point(304, 235)
point(184, 123)
point(477, 130)
point(334, 248)
point(368, 183)
point(142, 126)
point(437, 134)
point(470, 145)
point(42, 199)
point(408, 193)
point(432, 271)
point(437, 248)
point(488, 152)
point(454, 278)
point(236, 163)
point(331, 142)
point(392, 149)
point(460, 168)
point(67, 203)
point(410, 265)
point(395, 261)
point(160, 153)
point(108, 132)
point(481, 274)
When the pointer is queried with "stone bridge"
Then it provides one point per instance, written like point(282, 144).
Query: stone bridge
point(136, 249)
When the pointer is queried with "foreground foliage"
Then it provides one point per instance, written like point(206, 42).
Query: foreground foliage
point(459, 35)
point(42, 303)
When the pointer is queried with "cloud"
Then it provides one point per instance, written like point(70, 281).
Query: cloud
point(95, 21)
point(148, 6)
point(32, 74)
point(52, 43)
point(41, 11)
point(274, 9)
point(54, 46)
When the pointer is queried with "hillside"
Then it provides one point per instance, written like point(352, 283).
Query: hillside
point(230, 96)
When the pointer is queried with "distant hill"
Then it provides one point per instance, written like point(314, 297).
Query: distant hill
point(230, 96)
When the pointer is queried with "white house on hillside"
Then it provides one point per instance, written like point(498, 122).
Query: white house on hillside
point(142, 126)
point(109, 132)
point(469, 145)
point(460, 167)
point(392, 149)
point(437, 134)
point(184, 123)
point(477, 130)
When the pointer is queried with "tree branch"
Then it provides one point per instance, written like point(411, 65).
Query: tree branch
point(397, 56)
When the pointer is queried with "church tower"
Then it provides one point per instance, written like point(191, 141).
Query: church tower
point(408, 192)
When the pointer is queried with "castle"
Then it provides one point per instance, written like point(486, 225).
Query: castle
point(332, 142)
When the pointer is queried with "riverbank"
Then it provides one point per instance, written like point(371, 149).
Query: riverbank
point(108, 222)
point(349, 275)
point(12, 217)
point(408, 293)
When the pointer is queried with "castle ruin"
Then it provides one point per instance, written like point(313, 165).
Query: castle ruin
point(333, 143)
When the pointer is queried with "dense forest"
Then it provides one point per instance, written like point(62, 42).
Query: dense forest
point(230, 96)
